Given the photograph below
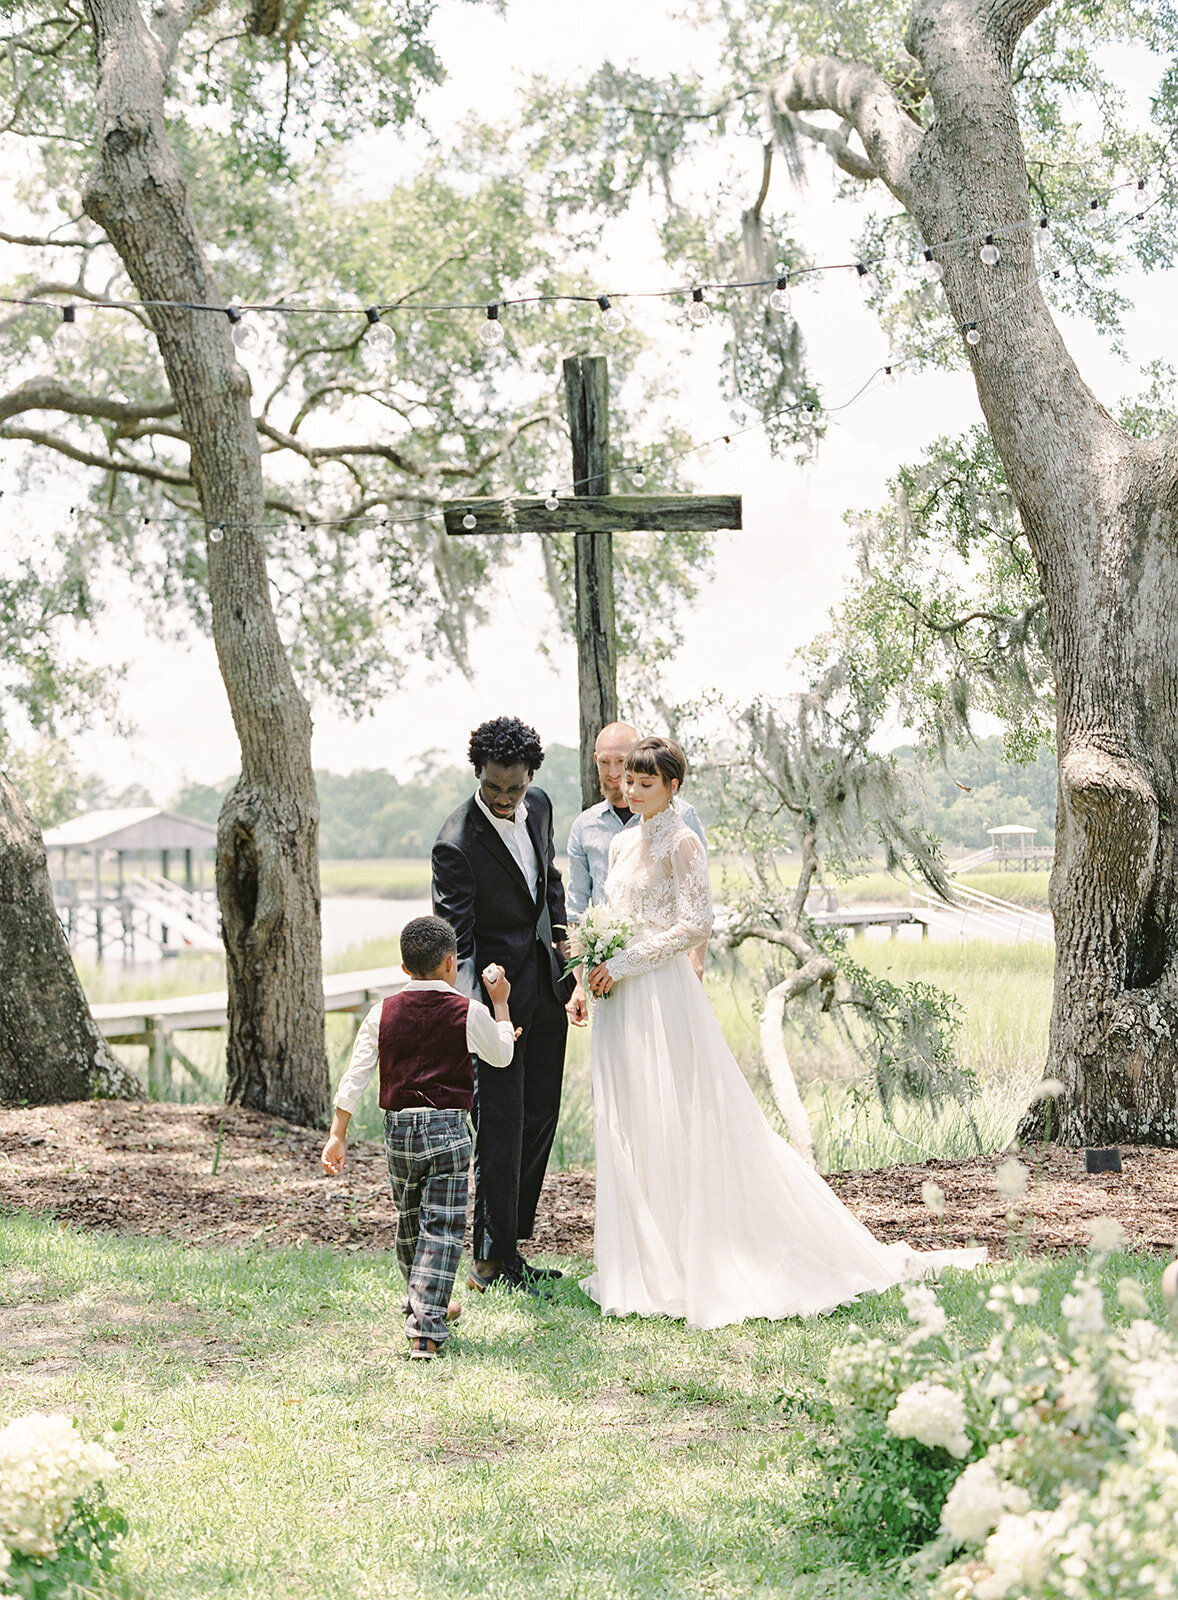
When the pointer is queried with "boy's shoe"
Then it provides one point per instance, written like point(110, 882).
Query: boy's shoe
point(505, 1277)
point(421, 1349)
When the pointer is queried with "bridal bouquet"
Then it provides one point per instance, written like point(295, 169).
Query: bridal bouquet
point(601, 933)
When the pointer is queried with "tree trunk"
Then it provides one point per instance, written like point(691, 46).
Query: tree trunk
point(50, 1048)
point(1099, 510)
point(267, 847)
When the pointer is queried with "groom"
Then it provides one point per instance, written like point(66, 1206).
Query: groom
point(495, 881)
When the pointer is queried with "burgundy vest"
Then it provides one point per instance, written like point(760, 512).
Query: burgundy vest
point(423, 1054)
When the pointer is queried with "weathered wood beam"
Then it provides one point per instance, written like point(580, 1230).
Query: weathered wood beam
point(612, 513)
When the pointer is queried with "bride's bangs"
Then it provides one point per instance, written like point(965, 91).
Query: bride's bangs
point(658, 758)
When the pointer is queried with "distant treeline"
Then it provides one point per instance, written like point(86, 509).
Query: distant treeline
point(370, 814)
point(979, 789)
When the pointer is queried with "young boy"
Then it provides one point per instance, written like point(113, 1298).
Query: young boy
point(422, 1040)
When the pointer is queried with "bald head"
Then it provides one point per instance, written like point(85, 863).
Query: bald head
point(614, 743)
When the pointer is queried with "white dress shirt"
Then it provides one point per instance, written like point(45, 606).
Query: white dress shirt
point(514, 833)
point(493, 1042)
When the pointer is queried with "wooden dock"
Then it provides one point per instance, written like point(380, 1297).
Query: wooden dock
point(859, 920)
point(153, 1022)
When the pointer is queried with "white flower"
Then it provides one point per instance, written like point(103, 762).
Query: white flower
point(1018, 1554)
point(1011, 1179)
point(974, 1504)
point(1024, 1294)
point(1153, 1390)
point(920, 1302)
point(1078, 1396)
point(1048, 1089)
point(1131, 1298)
point(933, 1196)
point(1145, 1341)
point(1107, 1235)
point(933, 1415)
point(1083, 1310)
point(45, 1464)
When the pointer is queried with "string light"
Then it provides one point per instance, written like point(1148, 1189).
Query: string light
point(861, 269)
point(552, 503)
point(67, 336)
point(216, 533)
point(933, 270)
point(699, 310)
point(972, 336)
point(378, 335)
point(989, 255)
point(638, 478)
point(245, 334)
point(890, 376)
point(779, 299)
point(612, 319)
point(469, 521)
point(491, 332)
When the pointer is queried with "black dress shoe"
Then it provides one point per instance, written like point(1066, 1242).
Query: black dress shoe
point(510, 1278)
point(532, 1273)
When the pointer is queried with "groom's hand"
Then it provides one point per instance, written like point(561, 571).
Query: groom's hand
point(578, 1007)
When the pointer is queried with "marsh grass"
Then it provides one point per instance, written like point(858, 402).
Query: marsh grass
point(278, 1444)
point(1004, 989)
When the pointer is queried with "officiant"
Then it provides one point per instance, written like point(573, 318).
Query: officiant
point(594, 831)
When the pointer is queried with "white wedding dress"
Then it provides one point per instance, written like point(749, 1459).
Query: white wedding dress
point(703, 1211)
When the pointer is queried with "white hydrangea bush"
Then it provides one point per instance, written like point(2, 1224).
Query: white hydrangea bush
point(45, 1467)
point(1067, 1439)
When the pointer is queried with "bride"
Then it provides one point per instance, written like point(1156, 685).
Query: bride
point(703, 1212)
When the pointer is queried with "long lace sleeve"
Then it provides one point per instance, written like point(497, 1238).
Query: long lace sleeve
point(683, 902)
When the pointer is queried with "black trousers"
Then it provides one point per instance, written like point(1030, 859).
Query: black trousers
point(515, 1115)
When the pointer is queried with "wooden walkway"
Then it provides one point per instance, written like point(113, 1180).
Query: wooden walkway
point(153, 1022)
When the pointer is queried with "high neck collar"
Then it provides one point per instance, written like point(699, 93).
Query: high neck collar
point(662, 822)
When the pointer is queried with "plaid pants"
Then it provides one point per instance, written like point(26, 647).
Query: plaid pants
point(429, 1157)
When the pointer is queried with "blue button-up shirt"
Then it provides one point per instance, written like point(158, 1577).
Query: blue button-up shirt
point(589, 840)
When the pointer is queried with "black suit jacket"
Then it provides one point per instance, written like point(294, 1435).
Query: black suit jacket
point(479, 889)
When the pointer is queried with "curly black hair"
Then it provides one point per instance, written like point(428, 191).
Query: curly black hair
point(506, 741)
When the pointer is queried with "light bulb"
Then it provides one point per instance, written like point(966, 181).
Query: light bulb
point(889, 375)
point(699, 310)
point(972, 336)
point(730, 445)
point(67, 337)
point(469, 521)
point(491, 332)
point(552, 503)
point(861, 269)
point(216, 533)
point(378, 335)
point(244, 334)
point(612, 319)
point(933, 270)
point(989, 255)
point(638, 479)
point(779, 299)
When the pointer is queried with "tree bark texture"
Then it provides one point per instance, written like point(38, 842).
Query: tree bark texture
point(587, 386)
point(267, 847)
point(1100, 511)
point(50, 1047)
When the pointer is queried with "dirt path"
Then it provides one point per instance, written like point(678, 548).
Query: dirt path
point(149, 1169)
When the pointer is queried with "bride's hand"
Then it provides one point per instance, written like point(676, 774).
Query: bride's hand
point(600, 981)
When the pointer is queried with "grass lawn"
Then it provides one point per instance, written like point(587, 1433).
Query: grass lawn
point(277, 1443)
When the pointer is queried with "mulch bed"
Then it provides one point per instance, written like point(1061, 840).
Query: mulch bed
point(148, 1169)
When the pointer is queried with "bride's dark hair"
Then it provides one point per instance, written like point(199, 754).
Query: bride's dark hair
point(658, 758)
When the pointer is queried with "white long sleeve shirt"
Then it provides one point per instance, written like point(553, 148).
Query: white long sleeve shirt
point(493, 1042)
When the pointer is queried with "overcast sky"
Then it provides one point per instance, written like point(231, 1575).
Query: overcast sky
point(774, 582)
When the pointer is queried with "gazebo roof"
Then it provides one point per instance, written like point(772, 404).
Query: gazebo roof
point(133, 828)
point(1012, 827)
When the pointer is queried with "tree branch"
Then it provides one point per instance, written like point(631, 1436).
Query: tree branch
point(865, 100)
point(50, 394)
point(835, 141)
point(139, 469)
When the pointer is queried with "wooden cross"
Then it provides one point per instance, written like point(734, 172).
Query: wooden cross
point(594, 515)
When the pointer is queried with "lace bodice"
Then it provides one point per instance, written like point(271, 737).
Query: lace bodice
point(658, 878)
